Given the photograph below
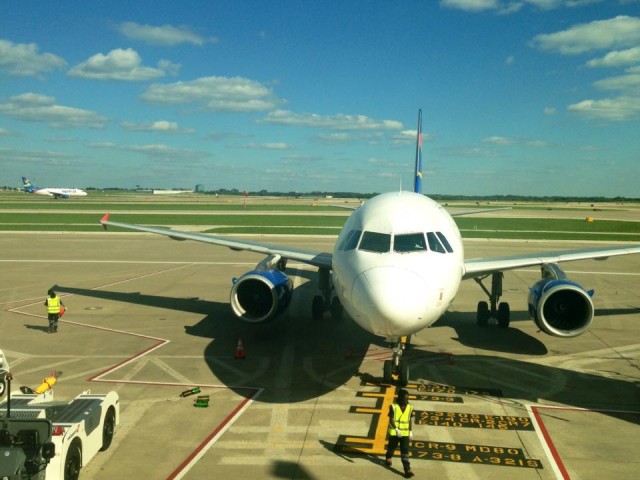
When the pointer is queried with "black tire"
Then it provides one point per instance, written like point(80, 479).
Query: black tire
point(387, 371)
point(504, 315)
point(72, 463)
point(482, 314)
point(108, 428)
point(403, 376)
point(336, 309)
point(317, 308)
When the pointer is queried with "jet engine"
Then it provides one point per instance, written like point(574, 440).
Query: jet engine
point(559, 306)
point(262, 294)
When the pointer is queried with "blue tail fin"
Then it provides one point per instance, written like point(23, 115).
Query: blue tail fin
point(26, 185)
point(417, 181)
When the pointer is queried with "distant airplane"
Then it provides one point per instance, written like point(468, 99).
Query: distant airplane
point(397, 266)
point(52, 192)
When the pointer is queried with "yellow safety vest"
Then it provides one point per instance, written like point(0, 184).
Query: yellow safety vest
point(53, 305)
point(401, 420)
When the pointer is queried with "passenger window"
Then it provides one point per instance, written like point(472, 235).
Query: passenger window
point(375, 242)
point(444, 241)
point(351, 240)
point(434, 243)
point(411, 242)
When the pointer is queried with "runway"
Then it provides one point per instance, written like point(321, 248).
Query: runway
point(149, 317)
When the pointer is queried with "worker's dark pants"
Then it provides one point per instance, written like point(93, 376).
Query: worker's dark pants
point(404, 450)
point(53, 321)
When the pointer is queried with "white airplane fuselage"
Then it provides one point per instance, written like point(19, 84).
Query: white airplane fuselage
point(388, 285)
point(61, 192)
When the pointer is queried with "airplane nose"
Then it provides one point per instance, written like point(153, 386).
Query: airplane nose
point(398, 298)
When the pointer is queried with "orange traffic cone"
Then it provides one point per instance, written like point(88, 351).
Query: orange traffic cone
point(240, 350)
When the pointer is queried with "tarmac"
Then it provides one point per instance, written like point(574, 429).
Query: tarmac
point(149, 318)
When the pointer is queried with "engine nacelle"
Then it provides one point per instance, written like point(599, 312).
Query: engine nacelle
point(261, 295)
point(560, 307)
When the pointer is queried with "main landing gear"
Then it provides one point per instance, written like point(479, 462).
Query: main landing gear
point(499, 311)
point(397, 368)
point(327, 301)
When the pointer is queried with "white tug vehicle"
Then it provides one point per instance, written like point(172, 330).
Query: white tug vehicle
point(42, 439)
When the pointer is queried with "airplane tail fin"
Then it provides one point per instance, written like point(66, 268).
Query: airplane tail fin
point(417, 181)
point(26, 185)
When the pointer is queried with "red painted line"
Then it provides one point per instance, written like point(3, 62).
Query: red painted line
point(210, 439)
point(96, 378)
point(547, 439)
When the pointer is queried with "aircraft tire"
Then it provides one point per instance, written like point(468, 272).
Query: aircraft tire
point(336, 309)
point(403, 375)
point(482, 314)
point(504, 314)
point(317, 308)
point(387, 371)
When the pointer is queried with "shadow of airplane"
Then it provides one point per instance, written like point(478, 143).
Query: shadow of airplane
point(293, 358)
point(296, 359)
point(617, 395)
point(492, 337)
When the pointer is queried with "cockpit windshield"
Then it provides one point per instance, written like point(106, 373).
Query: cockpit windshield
point(350, 242)
point(375, 242)
point(402, 243)
point(409, 242)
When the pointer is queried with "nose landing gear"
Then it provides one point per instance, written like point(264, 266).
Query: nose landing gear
point(397, 369)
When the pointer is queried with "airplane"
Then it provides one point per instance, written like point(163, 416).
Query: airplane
point(396, 267)
point(56, 193)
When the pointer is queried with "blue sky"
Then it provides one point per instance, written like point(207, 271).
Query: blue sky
point(532, 97)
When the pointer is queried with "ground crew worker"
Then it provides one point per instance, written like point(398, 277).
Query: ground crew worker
point(400, 432)
point(54, 305)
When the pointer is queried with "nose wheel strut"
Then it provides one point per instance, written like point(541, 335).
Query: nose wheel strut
point(397, 369)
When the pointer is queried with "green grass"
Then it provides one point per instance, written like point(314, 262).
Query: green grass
point(68, 219)
point(195, 207)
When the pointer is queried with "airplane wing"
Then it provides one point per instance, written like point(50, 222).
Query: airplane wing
point(483, 266)
point(311, 257)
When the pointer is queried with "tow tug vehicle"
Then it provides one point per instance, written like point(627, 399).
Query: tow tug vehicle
point(43, 439)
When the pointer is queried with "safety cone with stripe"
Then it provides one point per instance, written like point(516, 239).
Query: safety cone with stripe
point(240, 350)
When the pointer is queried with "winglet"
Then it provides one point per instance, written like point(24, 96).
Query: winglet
point(417, 185)
point(104, 220)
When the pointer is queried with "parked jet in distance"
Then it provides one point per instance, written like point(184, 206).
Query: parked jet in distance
point(396, 267)
point(56, 193)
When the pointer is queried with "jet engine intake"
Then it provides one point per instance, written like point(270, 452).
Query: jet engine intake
point(261, 295)
point(560, 307)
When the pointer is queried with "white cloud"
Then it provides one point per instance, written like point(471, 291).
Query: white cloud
point(153, 151)
point(617, 58)
point(549, 111)
point(629, 83)
point(161, 126)
point(40, 157)
point(511, 6)
point(163, 35)
point(123, 65)
point(343, 137)
point(621, 31)
point(332, 122)
point(616, 109)
point(23, 60)
point(34, 107)
point(235, 94)
point(499, 140)
point(268, 146)
point(471, 5)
